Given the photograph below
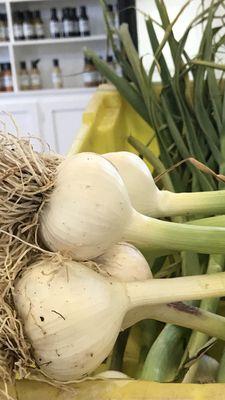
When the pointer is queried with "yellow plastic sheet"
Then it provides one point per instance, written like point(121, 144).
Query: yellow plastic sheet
point(107, 122)
point(121, 390)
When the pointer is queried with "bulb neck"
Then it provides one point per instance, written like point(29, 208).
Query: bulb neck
point(163, 237)
point(186, 204)
point(179, 314)
point(159, 291)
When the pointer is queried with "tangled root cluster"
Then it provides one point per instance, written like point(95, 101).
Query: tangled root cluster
point(26, 180)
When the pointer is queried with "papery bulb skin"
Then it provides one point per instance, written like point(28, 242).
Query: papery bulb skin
point(71, 316)
point(125, 263)
point(143, 192)
point(88, 208)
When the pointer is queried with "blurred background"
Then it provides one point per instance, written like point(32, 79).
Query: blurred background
point(46, 82)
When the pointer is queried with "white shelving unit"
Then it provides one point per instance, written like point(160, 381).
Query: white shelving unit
point(69, 51)
point(54, 115)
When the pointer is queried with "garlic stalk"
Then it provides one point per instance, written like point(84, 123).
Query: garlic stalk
point(147, 199)
point(72, 315)
point(89, 210)
point(125, 263)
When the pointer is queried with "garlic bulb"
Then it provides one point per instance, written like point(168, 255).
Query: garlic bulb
point(72, 315)
point(111, 374)
point(147, 199)
point(206, 371)
point(144, 194)
point(89, 210)
point(125, 263)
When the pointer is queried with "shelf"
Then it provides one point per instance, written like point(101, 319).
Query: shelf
point(49, 92)
point(4, 44)
point(24, 1)
point(83, 39)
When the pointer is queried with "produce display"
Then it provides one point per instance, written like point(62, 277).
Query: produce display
point(68, 284)
point(95, 246)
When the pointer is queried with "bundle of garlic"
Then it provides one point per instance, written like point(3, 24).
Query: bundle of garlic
point(26, 178)
point(72, 314)
point(56, 211)
point(89, 210)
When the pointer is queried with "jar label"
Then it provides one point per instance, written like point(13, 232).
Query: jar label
point(7, 81)
point(39, 30)
point(54, 27)
point(67, 27)
point(18, 31)
point(28, 30)
point(91, 77)
point(35, 80)
point(84, 26)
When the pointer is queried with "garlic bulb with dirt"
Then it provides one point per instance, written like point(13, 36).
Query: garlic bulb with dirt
point(72, 315)
point(147, 199)
point(89, 210)
point(125, 263)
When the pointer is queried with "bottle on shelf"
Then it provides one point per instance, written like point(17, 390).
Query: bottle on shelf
point(67, 23)
point(54, 25)
point(3, 33)
point(28, 27)
point(7, 84)
point(75, 19)
point(18, 26)
point(57, 81)
point(38, 25)
point(90, 73)
point(24, 78)
point(35, 76)
point(111, 16)
point(84, 25)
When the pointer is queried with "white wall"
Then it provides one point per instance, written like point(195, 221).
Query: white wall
point(173, 7)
